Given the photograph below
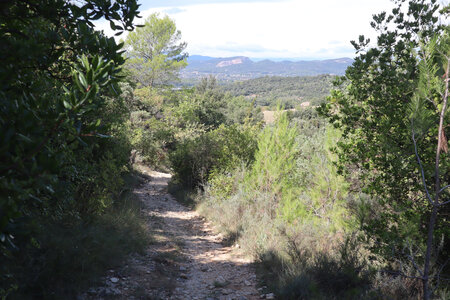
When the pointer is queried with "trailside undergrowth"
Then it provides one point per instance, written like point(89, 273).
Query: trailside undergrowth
point(288, 209)
point(293, 212)
point(71, 254)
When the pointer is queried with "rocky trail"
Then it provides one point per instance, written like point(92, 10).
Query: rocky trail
point(186, 260)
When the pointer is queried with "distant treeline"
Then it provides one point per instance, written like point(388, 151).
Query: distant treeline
point(290, 91)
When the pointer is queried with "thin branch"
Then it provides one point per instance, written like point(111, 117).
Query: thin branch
point(421, 166)
point(438, 276)
point(403, 275)
point(445, 187)
point(443, 203)
point(432, 102)
point(414, 264)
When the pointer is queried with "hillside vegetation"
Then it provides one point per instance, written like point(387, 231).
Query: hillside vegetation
point(288, 91)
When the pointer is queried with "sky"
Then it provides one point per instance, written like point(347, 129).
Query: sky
point(300, 29)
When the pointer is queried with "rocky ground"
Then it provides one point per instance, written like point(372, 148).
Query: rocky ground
point(187, 259)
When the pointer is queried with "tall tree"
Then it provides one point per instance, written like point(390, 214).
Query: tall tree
point(433, 88)
point(155, 51)
point(371, 106)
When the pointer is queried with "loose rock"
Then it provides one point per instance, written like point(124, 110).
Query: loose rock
point(204, 268)
point(114, 279)
point(220, 281)
point(226, 291)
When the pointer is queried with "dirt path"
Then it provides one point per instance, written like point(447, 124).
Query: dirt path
point(186, 260)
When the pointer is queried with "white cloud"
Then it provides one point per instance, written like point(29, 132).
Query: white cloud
point(296, 28)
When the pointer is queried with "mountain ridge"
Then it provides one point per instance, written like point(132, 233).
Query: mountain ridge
point(242, 67)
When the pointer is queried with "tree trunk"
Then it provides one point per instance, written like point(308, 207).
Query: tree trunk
point(433, 217)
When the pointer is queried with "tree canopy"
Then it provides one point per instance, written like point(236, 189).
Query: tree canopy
point(155, 51)
point(372, 107)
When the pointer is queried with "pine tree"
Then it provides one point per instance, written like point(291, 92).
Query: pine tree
point(432, 88)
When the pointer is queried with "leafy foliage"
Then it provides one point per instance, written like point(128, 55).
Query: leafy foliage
point(172, 123)
point(59, 155)
point(372, 112)
point(218, 150)
point(432, 88)
point(389, 112)
point(155, 52)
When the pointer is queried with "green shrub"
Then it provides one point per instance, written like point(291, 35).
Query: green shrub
point(151, 138)
point(215, 151)
point(274, 164)
point(193, 159)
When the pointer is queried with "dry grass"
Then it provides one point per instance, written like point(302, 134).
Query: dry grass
point(71, 256)
point(270, 115)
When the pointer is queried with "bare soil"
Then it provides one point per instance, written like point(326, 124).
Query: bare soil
point(187, 258)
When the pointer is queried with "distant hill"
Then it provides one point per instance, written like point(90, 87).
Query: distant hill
point(241, 67)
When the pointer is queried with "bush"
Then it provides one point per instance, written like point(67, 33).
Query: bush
point(217, 151)
point(336, 273)
point(151, 138)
